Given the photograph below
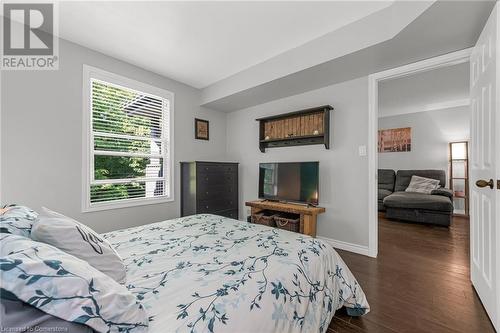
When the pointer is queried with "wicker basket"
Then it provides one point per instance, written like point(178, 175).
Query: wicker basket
point(287, 221)
point(264, 217)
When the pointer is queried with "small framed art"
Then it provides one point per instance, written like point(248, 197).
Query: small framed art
point(201, 131)
point(394, 140)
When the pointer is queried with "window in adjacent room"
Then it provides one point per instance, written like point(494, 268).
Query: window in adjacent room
point(128, 142)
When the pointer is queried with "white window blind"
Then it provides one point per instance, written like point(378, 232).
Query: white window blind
point(129, 145)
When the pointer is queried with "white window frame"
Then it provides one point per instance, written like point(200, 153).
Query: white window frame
point(90, 73)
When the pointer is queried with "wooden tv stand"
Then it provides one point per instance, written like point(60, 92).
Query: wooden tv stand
point(307, 214)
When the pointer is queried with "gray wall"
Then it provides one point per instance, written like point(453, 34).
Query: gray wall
point(425, 91)
point(343, 174)
point(431, 132)
point(41, 137)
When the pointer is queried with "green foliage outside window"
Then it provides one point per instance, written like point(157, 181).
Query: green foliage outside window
point(111, 114)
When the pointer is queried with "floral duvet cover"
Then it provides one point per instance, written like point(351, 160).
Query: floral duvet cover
point(206, 273)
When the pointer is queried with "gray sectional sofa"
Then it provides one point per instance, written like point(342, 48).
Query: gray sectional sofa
point(386, 180)
point(435, 208)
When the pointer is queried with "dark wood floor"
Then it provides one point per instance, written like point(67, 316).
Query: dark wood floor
point(418, 283)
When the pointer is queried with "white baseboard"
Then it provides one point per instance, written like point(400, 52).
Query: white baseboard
point(355, 248)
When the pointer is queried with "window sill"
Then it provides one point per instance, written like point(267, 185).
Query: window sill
point(87, 208)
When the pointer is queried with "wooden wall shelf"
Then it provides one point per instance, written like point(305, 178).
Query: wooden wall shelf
point(298, 128)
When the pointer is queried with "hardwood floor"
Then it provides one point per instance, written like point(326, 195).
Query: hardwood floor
point(419, 282)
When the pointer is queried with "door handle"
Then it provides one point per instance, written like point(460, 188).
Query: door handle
point(484, 183)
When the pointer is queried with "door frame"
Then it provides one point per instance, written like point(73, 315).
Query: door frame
point(445, 60)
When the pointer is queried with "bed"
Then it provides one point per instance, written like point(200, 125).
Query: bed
point(206, 273)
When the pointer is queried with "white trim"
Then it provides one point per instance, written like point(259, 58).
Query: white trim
point(1, 191)
point(447, 105)
point(355, 248)
point(372, 167)
point(117, 204)
point(449, 59)
point(90, 73)
point(445, 60)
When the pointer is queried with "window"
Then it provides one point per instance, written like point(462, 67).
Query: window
point(128, 142)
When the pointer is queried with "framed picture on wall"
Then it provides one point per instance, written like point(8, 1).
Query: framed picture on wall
point(201, 130)
point(394, 140)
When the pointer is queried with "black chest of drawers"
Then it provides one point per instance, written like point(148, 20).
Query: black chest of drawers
point(209, 187)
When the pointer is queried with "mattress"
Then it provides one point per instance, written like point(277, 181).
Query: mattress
point(207, 273)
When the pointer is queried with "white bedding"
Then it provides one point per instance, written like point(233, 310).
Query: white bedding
point(206, 273)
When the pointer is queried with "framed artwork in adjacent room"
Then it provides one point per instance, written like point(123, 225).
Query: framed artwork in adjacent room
point(201, 131)
point(394, 140)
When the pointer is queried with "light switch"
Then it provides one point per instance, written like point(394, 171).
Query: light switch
point(362, 150)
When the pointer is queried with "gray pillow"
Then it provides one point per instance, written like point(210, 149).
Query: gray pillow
point(422, 185)
point(80, 241)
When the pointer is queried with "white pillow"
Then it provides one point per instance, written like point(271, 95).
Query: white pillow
point(422, 185)
point(80, 241)
point(66, 287)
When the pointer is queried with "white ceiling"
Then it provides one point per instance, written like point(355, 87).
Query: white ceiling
point(403, 33)
point(437, 89)
point(199, 43)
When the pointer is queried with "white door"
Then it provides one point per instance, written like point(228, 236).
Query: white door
point(485, 169)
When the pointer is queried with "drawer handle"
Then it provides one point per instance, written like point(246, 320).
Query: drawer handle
point(206, 207)
point(206, 192)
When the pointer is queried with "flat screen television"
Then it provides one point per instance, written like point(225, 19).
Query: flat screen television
point(289, 181)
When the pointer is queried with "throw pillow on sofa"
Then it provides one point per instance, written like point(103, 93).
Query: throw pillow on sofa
point(422, 185)
point(80, 241)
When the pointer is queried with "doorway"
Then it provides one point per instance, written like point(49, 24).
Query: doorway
point(423, 135)
point(464, 228)
point(374, 80)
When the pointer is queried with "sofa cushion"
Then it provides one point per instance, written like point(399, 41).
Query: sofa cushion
point(386, 179)
point(443, 191)
point(383, 193)
point(422, 185)
point(419, 201)
point(403, 177)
